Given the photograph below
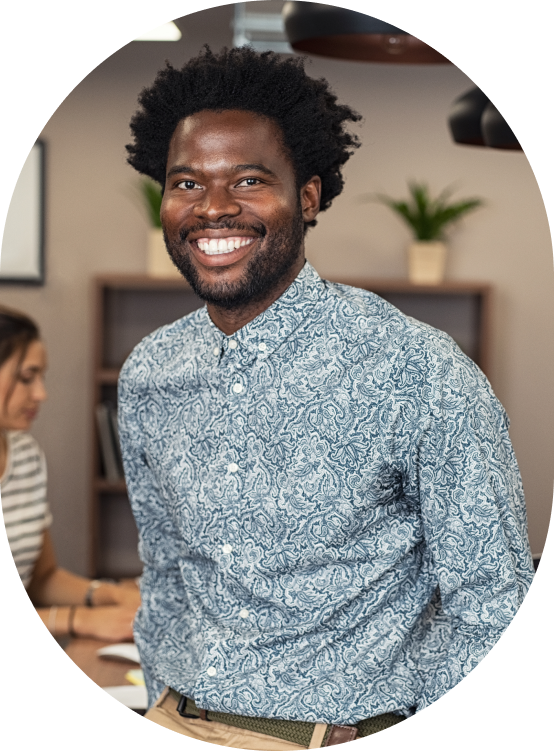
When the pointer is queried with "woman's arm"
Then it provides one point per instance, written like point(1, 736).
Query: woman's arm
point(52, 585)
point(114, 609)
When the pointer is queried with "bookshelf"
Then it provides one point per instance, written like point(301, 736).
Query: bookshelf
point(127, 308)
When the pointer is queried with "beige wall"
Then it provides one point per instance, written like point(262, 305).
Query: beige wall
point(94, 227)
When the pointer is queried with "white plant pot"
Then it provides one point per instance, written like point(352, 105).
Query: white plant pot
point(426, 262)
point(159, 263)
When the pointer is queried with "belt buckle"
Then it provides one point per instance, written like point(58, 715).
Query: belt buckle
point(182, 710)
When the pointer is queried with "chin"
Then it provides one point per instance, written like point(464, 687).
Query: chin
point(22, 425)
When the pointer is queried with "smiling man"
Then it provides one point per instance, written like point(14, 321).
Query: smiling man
point(331, 517)
point(235, 229)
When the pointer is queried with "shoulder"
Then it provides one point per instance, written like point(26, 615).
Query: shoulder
point(25, 475)
point(413, 357)
point(163, 343)
point(22, 446)
point(363, 315)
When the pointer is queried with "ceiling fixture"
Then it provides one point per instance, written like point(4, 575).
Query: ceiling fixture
point(475, 121)
point(337, 32)
point(167, 32)
point(263, 29)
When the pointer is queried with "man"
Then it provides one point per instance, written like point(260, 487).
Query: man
point(331, 517)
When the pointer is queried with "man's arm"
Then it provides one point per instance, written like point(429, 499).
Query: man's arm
point(465, 475)
point(156, 532)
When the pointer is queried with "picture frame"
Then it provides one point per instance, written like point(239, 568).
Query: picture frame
point(22, 256)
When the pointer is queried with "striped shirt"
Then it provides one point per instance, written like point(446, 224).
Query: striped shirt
point(23, 490)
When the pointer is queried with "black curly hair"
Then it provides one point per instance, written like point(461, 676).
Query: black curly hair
point(305, 109)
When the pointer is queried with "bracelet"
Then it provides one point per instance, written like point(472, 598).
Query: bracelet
point(95, 583)
point(52, 613)
point(70, 619)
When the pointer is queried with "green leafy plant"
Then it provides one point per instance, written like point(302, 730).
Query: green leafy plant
point(151, 194)
point(428, 217)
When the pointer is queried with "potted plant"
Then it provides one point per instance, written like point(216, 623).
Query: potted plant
point(428, 219)
point(159, 263)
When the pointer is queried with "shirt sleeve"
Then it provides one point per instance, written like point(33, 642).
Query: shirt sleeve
point(465, 475)
point(160, 585)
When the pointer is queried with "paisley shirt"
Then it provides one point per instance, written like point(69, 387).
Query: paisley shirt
point(330, 514)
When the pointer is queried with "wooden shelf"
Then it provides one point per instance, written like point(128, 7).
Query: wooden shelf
point(107, 376)
point(140, 282)
point(106, 486)
point(126, 308)
point(403, 285)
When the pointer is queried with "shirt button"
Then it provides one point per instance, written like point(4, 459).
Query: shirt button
point(237, 388)
point(227, 549)
point(233, 344)
point(233, 467)
point(211, 671)
point(244, 613)
point(262, 346)
point(216, 351)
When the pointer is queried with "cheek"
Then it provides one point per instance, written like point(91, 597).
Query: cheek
point(172, 213)
point(177, 206)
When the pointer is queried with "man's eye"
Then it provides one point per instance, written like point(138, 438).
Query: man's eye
point(188, 185)
point(249, 181)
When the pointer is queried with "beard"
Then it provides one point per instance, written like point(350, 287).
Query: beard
point(264, 271)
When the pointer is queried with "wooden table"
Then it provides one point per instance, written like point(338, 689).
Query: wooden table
point(102, 671)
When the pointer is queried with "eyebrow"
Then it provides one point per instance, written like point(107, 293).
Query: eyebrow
point(184, 168)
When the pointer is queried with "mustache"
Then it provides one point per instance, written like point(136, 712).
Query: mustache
point(258, 229)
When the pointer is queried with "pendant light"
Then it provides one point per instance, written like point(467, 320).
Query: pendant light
point(475, 121)
point(465, 117)
point(496, 132)
point(340, 33)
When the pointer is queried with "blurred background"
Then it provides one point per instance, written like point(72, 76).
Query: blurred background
point(94, 225)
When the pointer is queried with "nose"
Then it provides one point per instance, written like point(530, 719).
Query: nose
point(216, 203)
point(39, 390)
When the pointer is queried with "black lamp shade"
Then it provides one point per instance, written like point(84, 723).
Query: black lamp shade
point(465, 117)
point(475, 121)
point(340, 33)
point(496, 132)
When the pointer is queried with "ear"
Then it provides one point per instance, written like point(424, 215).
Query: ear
point(310, 197)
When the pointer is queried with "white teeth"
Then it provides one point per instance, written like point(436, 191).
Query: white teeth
point(224, 245)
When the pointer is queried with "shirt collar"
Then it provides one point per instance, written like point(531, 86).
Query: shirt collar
point(268, 330)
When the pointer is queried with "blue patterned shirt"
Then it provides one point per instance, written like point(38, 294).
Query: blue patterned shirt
point(330, 512)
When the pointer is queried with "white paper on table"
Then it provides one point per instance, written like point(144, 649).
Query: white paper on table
point(134, 697)
point(126, 652)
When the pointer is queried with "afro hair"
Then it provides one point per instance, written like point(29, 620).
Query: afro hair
point(311, 121)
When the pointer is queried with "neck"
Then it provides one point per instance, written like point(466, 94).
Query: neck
point(230, 321)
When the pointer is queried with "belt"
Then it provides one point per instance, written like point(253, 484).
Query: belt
point(292, 731)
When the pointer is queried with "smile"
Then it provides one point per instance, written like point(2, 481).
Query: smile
point(222, 245)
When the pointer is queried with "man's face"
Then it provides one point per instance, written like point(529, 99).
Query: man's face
point(232, 214)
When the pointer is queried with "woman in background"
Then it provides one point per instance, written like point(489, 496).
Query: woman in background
point(67, 604)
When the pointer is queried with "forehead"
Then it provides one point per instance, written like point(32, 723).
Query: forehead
point(234, 136)
point(35, 356)
point(34, 359)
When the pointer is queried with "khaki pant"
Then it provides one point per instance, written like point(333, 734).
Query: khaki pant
point(164, 713)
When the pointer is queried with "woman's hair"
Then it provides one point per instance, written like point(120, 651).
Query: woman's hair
point(17, 331)
point(305, 109)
